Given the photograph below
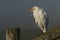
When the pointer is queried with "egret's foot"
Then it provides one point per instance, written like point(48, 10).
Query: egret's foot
point(44, 31)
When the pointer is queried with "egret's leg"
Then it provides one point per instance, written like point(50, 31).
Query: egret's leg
point(40, 26)
point(44, 28)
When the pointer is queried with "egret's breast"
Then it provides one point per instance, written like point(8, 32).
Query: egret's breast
point(36, 16)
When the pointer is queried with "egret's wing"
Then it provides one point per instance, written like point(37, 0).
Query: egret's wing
point(44, 12)
point(45, 15)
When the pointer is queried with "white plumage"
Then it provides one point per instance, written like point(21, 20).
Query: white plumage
point(40, 18)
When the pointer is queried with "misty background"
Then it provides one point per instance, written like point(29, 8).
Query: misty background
point(15, 13)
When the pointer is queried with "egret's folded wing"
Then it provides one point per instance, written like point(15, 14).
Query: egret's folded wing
point(45, 15)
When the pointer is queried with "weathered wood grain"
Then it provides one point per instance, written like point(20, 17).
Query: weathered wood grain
point(52, 34)
point(13, 34)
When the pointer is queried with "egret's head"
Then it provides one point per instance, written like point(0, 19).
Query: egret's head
point(34, 8)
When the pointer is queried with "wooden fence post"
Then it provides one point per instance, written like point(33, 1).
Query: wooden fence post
point(52, 34)
point(13, 34)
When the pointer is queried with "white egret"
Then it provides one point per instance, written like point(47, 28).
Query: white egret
point(40, 17)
